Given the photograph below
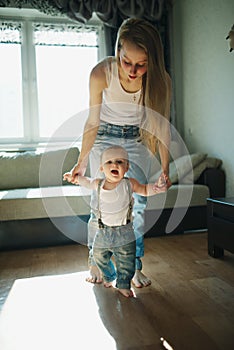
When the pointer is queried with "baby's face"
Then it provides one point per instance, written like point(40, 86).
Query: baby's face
point(115, 169)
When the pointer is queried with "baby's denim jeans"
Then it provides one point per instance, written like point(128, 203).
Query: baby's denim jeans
point(118, 241)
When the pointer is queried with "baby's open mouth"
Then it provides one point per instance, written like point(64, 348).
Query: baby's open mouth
point(114, 172)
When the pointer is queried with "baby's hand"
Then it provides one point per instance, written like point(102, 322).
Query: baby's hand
point(67, 177)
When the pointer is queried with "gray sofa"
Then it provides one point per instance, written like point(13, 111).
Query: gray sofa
point(38, 209)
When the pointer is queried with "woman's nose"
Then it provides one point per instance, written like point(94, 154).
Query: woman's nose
point(133, 69)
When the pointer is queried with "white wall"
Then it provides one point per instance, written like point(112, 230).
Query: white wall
point(204, 79)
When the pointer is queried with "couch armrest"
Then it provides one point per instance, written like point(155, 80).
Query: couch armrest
point(214, 178)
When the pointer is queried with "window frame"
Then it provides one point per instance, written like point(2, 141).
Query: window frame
point(31, 139)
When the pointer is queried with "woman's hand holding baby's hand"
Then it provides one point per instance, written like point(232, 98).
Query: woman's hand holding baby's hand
point(162, 184)
point(78, 170)
point(69, 178)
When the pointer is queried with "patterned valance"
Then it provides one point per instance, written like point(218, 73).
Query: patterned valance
point(109, 11)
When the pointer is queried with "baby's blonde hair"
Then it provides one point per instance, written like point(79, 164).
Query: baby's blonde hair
point(114, 151)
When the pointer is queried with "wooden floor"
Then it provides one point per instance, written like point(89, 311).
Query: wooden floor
point(46, 303)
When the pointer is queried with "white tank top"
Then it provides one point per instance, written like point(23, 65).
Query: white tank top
point(118, 106)
point(113, 204)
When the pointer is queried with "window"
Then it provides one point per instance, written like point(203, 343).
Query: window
point(11, 109)
point(44, 71)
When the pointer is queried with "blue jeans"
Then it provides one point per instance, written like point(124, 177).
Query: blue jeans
point(117, 241)
point(140, 164)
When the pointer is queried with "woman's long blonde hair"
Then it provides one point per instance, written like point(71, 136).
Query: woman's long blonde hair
point(156, 92)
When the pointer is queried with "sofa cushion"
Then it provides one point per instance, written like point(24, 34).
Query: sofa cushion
point(184, 165)
point(181, 167)
point(29, 169)
point(179, 196)
point(37, 203)
point(208, 162)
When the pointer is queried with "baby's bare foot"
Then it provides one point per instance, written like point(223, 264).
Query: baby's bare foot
point(128, 293)
point(95, 275)
point(140, 280)
point(108, 284)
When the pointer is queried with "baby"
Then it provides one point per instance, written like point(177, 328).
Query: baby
point(113, 208)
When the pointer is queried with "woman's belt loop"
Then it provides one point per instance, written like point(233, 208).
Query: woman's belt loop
point(108, 128)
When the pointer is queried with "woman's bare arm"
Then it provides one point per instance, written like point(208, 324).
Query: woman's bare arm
point(97, 84)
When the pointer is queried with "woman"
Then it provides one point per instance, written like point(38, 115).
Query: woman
point(130, 96)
